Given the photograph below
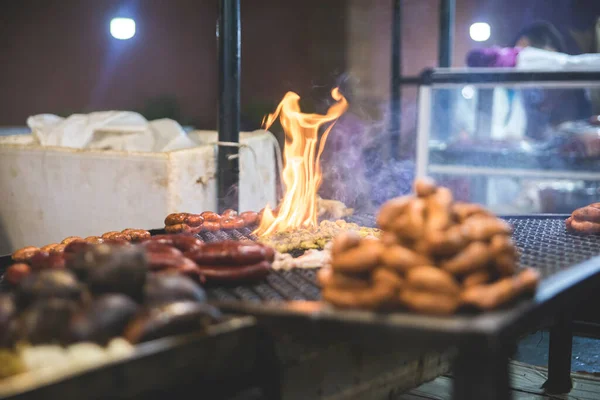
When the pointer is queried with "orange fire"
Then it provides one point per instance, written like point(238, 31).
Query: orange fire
point(302, 171)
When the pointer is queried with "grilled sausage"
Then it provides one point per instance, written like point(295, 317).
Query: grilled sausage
point(219, 273)
point(231, 253)
point(16, 273)
point(24, 254)
point(175, 218)
point(249, 217)
point(210, 216)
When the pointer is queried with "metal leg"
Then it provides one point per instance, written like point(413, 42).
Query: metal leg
point(559, 357)
point(481, 372)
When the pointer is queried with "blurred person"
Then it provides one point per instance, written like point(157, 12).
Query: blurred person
point(544, 109)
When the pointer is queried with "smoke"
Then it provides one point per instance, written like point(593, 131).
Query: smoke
point(357, 169)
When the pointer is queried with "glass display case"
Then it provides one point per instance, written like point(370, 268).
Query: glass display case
point(516, 141)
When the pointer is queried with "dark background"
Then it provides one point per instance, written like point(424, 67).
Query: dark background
point(58, 56)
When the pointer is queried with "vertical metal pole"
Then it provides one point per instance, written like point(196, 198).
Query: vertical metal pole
point(229, 103)
point(396, 89)
point(446, 39)
point(447, 12)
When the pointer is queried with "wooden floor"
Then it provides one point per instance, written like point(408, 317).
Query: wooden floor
point(527, 381)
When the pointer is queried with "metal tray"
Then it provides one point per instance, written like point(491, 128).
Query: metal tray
point(215, 361)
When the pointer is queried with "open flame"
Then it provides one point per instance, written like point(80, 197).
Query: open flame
point(302, 171)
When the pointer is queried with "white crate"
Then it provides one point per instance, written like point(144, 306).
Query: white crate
point(49, 193)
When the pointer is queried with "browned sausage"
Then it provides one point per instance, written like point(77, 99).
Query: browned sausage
point(16, 273)
point(210, 216)
point(227, 223)
point(217, 273)
point(229, 213)
point(211, 226)
point(194, 220)
point(24, 254)
point(139, 235)
point(44, 260)
point(249, 217)
point(156, 247)
point(70, 239)
point(159, 261)
point(175, 218)
point(229, 253)
point(183, 242)
point(94, 240)
point(179, 228)
point(238, 222)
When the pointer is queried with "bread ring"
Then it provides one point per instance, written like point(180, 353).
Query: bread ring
point(502, 244)
point(24, 254)
point(411, 224)
point(327, 278)
point(505, 264)
point(429, 303)
point(462, 211)
point(445, 243)
point(370, 298)
point(476, 278)
point(482, 228)
point(438, 210)
point(386, 277)
point(344, 241)
point(401, 259)
point(488, 297)
point(474, 257)
point(390, 210)
point(432, 279)
point(424, 187)
point(363, 258)
point(388, 238)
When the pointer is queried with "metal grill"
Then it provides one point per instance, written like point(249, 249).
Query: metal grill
point(544, 243)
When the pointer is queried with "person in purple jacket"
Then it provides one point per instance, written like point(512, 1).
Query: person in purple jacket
point(545, 109)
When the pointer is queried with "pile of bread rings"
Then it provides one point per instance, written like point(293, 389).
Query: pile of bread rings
point(435, 256)
point(585, 220)
point(209, 221)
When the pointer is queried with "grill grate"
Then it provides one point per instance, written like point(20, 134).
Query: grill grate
point(544, 244)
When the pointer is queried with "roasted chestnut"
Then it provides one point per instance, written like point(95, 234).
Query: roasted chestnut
point(112, 269)
point(166, 288)
point(104, 320)
point(44, 322)
point(48, 284)
point(171, 319)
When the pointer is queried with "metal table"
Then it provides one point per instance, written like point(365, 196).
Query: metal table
point(570, 267)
